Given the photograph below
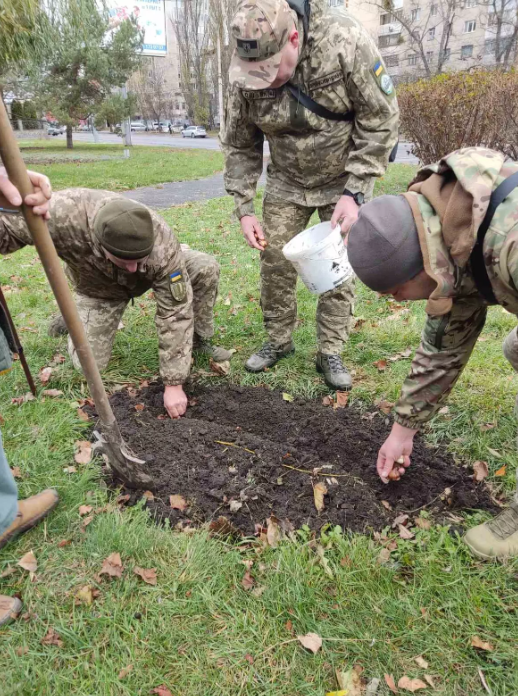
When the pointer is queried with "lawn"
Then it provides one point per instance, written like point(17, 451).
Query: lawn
point(104, 166)
point(198, 632)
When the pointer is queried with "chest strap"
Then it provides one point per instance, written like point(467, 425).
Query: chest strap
point(317, 108)
point(478, 266)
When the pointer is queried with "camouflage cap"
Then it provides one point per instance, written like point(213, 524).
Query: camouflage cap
point(125, 229)
point(261, 29)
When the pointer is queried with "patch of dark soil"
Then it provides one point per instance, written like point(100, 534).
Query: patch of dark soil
point(238, 453)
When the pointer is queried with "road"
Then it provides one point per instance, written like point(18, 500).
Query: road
point(404, 155)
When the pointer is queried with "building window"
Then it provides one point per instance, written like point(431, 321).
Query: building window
point(470, 26)
point(466, 51)
point(336, 3)
point(434, 11)
point(416, 14)
point(446, 54)
point(389, 40)
point(431, 33)
point(412, 60)
point(392, 61)
point(385, 19)
point(471, 3)
point(429, 56)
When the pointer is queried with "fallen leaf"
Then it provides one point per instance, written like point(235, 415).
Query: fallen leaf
point(273, 532)
point(112, 566)
point(84, 452)
point(349, 681)
point(57, 359)
point(411, 684)
point(53, 393)
point(70, 470)
point(386, 504)
point(224, 528)
point(385, 406)
point(125, 671)
point(288, 625)
point(501, 471)
point(85, 509)
point(421, 662)
point(372, 687)
point(381, 365)
point(311, 641)
point(480, 470)
point(319, 491)
point(147, 574)
point(19, 400)
point(64, 542)
point(148, 495)
point(178, 503)
point(45, 374)
point(52, 638)
point(405, 533)
point(8, 571)
point(389, 679)
point(327, 401)
point(16, 472)
point(287, 397)
point(249, 659)
point(247, 581)
point(384, 556)
point(422, 523)
point(400, 519)
point(161, 691)
point(222, 368)
point(28, 562)
point(258, 591)
point(235, 505)
point(85, 595)
point(341, 399)
point(82, 415)
point(22, 650)
point(139, 407)
point(430, 680)
point(476, 642)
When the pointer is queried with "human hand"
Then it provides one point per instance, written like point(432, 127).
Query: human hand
point(253, 232)
point(39, 200)
point(175, 401)
point(397, 446)
point(345, 213)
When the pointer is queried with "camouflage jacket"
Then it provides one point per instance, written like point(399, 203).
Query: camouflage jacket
point(91, 274)
point(456, 311)
point(313, 158)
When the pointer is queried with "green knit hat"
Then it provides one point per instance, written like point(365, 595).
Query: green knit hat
point(125, 229)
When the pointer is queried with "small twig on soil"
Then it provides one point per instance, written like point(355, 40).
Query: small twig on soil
point(312, 473)
point(410, 512)
point(233, 444)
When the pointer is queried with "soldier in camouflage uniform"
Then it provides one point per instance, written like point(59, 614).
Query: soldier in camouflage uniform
point(316, 163)
point(115, 250)
point(421, 246)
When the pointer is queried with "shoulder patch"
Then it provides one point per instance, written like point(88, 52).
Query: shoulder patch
point(384, 81)
point(178, 286)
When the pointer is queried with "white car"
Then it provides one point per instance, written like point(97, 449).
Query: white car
point(137, 126)
point(194, 132)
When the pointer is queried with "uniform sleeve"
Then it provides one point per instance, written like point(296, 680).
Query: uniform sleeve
point(446, 345)
point(174, 312)
point(242, 145)
point(376, 120)
point(14, 233)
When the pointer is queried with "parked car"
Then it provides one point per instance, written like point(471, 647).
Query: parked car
point(194, 132)
point(138, 126)
point(161, 126)
point(55, 129)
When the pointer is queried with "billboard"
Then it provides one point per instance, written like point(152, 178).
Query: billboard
point(150, 16)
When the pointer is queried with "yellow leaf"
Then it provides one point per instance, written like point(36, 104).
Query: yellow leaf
point(319, 491)
point(85, 595)
point(287, 397)
point(501, 471)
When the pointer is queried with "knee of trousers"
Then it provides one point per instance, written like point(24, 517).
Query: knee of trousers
point(102, 361)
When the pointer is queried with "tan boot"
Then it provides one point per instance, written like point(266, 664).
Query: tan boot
point(496, 539)
point(204, 347)
point(10, 607)
point(30, 512)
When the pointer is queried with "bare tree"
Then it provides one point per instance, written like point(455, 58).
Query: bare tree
point(501, 18)
point(154, 98)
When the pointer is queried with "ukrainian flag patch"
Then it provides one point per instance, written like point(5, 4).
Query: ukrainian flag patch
point(175, 277)
point(378, 69)
point(384, 82)
point(178, 286)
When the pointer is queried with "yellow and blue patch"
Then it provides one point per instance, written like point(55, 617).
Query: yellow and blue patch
point(384, 81)
point(178, 286)
point(378, 69)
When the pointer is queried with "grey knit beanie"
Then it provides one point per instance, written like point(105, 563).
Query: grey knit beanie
point(383, 244)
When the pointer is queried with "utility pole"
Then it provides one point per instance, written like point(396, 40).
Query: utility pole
point(127, 121)
point(220, 83)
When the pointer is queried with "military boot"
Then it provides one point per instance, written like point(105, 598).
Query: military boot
point(30, 512)
point(267, 356)
point(10, 607)
point(510, 348)
point(498, 538)
point(336, 375)
point(57, 327)
point(204, 347)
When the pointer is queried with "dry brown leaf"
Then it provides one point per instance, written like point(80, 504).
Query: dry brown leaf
point(58, 359)
point(327, 401)
point(342, 398)
point(82, 415)
point(85, 595)
point(258, 591)
point(125, 671)
point(288, 625)
point(45, 374)
point(385, 406)
point(84, 452)
point(389, 680)
point(235, 505)
point(178, 503)
point(86, 521)
point(350, 681)
point(112, 566)
point(85, 509)
point(8, 571)
point(28, 562)
point(22, 650)
point(405, 533)
point(411, 684)
point(273, 532)
point(147, 574)
point(53, 393)
point(311, 641)
point(422, 523)
point(70, 470)
point(480, 470)
point(477, 642)
point(384, 556)
point(430, 680)
point(501, 471)
point(386, 504)
point(249, 659)
point(319, 491)
point(247, 581)
point(421, 662)
point(224, 528)
point(139, 407)
point(52, 638)
point(222, 368)
point(16, 472)
point(64, 542)
point(161, 691)
point(381, 365)
point(148, 495)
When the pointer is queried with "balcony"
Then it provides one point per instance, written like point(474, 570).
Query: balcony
point(391, 28)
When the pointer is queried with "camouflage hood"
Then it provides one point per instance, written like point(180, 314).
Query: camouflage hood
point(449, 200)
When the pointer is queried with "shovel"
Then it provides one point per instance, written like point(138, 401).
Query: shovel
point(110, 442)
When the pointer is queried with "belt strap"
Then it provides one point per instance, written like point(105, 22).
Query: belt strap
point(317, 108)
point(478, 266)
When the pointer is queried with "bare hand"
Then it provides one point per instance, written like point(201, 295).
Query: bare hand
point(175, 401)
point(253, 232)
point(39, 200)
point(345, 214)
point(398, 445)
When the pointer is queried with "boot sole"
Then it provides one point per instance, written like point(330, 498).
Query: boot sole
point(262, 369)
point(330, 384)
point(29, 525)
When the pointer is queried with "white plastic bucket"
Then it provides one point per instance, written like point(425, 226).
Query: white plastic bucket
point(320, 257)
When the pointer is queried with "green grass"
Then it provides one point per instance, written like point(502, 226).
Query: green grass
point(104, 166)
point(198, 631)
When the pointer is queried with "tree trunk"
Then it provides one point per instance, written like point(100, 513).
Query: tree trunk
point(70, 144)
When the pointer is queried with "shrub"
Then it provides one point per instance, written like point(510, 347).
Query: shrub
point(451, 111)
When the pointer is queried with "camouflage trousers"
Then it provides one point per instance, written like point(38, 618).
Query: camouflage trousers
point(510, 349)
point(101, 318)
point(282, 221)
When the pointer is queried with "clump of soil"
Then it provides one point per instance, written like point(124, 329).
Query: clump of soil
point(238, 452)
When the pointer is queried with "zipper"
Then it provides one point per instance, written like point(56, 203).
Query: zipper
point(440, 331)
